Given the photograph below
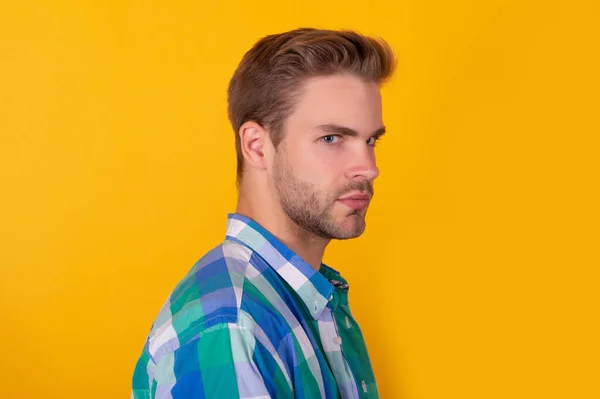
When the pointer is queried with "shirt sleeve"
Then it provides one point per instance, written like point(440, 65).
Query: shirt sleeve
point(224, 361)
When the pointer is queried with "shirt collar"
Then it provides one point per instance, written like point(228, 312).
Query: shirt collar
point(312, 286)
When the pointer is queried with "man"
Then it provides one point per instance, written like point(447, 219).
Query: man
point(260, 315)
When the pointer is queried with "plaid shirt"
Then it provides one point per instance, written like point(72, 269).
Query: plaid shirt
point(253, 320)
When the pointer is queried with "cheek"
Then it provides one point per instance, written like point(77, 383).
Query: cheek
point(327, 177)
point(320, 166)
point(332, 165)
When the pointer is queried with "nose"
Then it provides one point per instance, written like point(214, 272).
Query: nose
point(363, 165)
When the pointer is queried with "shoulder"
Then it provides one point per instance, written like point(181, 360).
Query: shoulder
point(209, 296)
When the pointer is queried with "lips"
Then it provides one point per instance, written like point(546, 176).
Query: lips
point(356, 201)
point(356, 197)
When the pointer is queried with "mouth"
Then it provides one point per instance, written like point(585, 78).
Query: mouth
point(356, 201)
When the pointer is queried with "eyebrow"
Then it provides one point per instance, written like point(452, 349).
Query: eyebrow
point(346, 131)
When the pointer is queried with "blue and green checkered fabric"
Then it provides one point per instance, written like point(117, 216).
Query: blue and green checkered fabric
point(253, 320)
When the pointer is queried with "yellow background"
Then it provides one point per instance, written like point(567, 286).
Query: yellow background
point(478, 274)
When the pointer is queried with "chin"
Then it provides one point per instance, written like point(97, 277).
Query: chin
point(351, 228)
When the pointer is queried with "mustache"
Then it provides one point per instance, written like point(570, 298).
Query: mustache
point(363, 187)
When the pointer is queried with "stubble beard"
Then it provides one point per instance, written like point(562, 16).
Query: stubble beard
point(300, 201)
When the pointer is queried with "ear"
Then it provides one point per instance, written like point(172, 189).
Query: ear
point(256, 144)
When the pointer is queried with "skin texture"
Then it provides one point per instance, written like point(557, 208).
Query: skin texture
point(327, 153)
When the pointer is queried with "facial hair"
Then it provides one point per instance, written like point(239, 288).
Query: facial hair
point(300, 201)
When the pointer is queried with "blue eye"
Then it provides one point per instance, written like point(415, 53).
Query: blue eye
point(372, 141)
point(331, 139)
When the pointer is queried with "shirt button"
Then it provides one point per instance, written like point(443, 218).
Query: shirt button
point(338, 340)
point(331, 297)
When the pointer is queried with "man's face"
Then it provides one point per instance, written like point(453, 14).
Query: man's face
point(324, 167)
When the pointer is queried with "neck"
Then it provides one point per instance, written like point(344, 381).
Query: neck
point(265, 209)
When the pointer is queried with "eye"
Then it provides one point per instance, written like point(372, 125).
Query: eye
point(331, 138)
point(372, 141)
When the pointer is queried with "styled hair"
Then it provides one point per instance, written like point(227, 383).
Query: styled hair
point(267, 82)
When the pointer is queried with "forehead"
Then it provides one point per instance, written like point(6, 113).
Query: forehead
point(343, 100)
